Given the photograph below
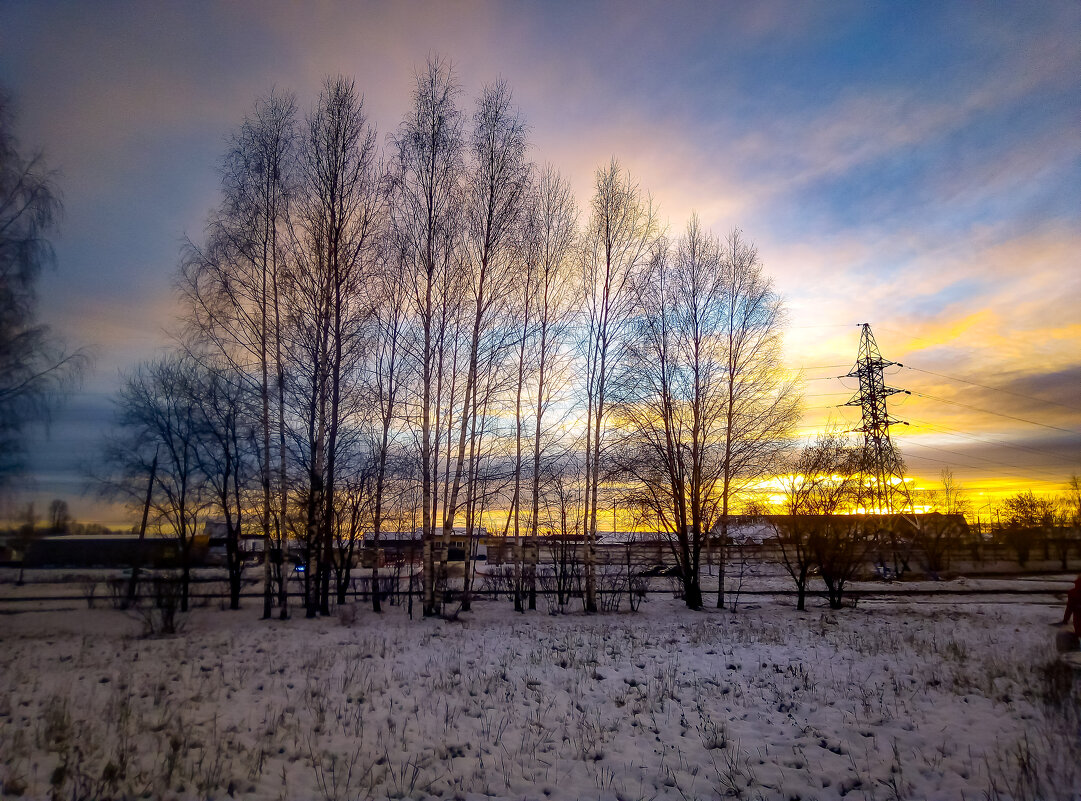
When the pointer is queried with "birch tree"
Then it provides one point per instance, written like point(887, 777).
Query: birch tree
point(672, 397)
point(425, 207)
point(621, 230)
point(232, 289)
point(548, 302)
point(158, 422)
point(817, 486)
point(34, 369)
point(761, 406)
point(341, 213)
point(386, 377)
point(224, 453)
point(495, 201)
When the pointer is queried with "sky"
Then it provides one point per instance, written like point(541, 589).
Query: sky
point(914, 166)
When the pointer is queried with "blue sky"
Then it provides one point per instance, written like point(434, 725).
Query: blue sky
point(916, 166)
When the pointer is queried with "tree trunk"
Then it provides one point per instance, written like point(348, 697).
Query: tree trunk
point(591, 552)
point(133, 585)
point(426, 452)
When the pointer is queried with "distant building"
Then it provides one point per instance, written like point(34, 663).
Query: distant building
point(118, 551)
point(398, 547)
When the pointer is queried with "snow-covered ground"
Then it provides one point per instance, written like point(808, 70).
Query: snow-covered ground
point(912, 698)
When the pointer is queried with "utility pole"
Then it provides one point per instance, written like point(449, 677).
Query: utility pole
point(882, 471)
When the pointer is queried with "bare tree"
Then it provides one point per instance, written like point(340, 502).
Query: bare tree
point(816, 488)
point(1028, 516)
point(34, 369)
point(225, 453)
point(1071, 500)
point(158, 420)
point(564, 516)
point(495, 203)
point(761, 406)
point(821, 495)
point(425, 209)
point(386, 379)
point(353, 505)
point(554, 226)
point(672, 397)
point(232, 287)
point(621, 231)
point(338, 219)
point(524, 304)
point(487, 475)
point(936, 535)
point(1068, 518)
point(59, 517)
point(840, 544)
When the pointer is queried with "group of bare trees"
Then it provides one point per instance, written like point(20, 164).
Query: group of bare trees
point(424, 335)
point(821, 532)
point(817, 531)
point(703, 406)
point(184, 451)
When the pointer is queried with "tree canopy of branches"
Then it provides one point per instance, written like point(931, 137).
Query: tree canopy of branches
point(233, 286)
point(761, 406)
point(495, 203)
point(618, 240)
point(159, 424)
point(548, 292)
point(425, 216)
point(702, 405)
point(820, 487)
point(1027, 515)
point(34, 369)
point(937, 534)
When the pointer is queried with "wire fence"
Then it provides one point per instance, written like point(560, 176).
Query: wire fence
point(82, 599)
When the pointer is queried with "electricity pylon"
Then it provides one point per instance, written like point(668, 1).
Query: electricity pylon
point(882, 471)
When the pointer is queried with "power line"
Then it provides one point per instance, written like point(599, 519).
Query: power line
point(909, 336)
point(990, 471)
point(945, 430)
point(944, 450)
point(997, 414)
point(943, 461)
point(994, 389)
point(1012, 470)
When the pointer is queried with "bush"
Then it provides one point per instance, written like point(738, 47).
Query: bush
point(160, 613)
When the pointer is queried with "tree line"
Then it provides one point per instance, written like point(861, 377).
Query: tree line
point(426, 333)
point(818, 533)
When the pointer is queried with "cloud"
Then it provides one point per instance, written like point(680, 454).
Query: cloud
point(918, 173)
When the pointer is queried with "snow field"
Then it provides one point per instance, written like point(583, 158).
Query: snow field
point(886, 701)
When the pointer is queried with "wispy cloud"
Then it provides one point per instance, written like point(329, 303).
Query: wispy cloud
point(915, 168)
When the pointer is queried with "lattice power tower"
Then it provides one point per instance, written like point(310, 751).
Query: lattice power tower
point(882, 469)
